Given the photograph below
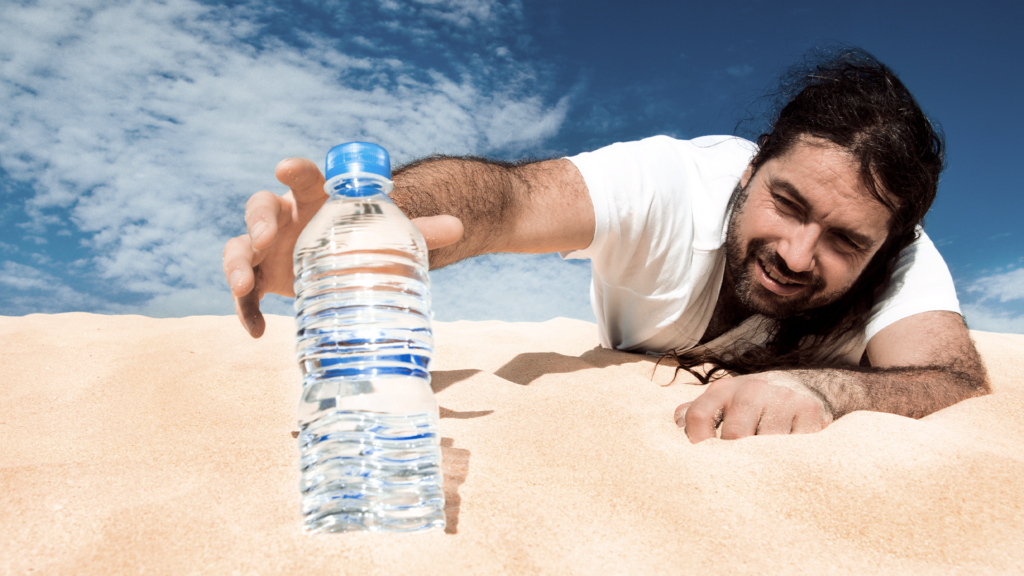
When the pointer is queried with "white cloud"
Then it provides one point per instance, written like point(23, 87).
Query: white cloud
point(993, 303)
point(992, 319)
point(491, 16)
point(466, 13)
point(1002, 287)
point(145, 125)
point(512, 287)
point(28, 289)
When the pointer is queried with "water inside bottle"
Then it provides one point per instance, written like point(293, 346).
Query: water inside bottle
point(370, 471)
point(370, 457)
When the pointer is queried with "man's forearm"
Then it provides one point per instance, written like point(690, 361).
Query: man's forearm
point(912, 391)
point(483, 194)
point(530, 207)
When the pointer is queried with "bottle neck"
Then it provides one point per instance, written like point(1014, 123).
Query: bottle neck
point(357, 185)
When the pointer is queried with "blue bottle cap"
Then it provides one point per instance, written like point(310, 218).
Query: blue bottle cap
point(358, 157)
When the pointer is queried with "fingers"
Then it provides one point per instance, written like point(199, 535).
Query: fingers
point(680, 415)
point(741, 418)
point(702, 417)
point(776, 407)
point(304, 179)
point(238, 265)
point(774, 420)
point(269, 219)
point(241, 276)
point(247, 308)
point(745, 406)
point(263, 215)
point(808, 422)
point(439, 231)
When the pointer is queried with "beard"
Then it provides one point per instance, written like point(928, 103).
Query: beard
point(741, 260)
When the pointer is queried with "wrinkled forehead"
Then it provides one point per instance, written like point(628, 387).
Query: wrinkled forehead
point(831, 184)
point(842, 163)
point(868, 176)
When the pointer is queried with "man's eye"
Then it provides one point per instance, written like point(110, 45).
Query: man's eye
point(846, 243)
point(784, 204)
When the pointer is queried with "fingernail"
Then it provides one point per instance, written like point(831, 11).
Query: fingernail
point(235, 280)
point(257, 230)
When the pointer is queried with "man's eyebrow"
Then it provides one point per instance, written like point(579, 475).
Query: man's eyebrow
point(857, 238)
point(776, 184)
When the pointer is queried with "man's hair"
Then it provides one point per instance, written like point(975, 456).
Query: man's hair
point(849, 98)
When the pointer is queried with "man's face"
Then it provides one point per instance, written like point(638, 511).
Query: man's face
point(803, 230)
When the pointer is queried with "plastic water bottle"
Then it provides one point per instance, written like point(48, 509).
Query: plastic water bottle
point(368, 420)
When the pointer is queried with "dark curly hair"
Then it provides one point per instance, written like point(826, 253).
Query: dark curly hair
point(847, 97)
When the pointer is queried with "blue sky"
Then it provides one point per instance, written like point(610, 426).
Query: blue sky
point(133, 131)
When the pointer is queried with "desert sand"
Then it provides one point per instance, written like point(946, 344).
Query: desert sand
point(130, 444)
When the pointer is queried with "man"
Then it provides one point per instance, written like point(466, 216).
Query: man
point(797, 264)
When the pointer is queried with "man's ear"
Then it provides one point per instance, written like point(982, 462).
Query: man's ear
point(746, 175)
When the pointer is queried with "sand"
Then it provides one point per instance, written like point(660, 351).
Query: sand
point(131, 444)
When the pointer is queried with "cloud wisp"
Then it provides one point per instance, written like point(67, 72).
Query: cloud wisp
point(513, 288)
point(140, 128)
point(1003, 287)
point(996, 302)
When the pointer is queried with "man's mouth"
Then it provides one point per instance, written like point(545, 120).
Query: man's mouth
point(774, 281)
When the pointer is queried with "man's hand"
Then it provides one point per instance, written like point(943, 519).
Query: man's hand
point(919, 364)
point(260, 262)
point(765, 403)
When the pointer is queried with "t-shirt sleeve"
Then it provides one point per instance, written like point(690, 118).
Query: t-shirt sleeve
point(643, 224)
point(921, 282)
point(645, 195)
point(632, 186)
point(659, 207)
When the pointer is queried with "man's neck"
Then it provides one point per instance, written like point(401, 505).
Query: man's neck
point(729, 311)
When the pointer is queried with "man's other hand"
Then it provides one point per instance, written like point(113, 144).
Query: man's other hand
point(260, 262)
point(765, 403)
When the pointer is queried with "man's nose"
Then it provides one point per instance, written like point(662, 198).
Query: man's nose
point(798, 249)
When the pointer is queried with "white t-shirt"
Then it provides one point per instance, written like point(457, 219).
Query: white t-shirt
point(658, 255)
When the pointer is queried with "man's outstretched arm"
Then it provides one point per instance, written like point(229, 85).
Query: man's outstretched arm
point(536, 207)
point(463, 206)
point(920, 364)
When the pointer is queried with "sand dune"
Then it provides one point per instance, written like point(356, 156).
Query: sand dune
point(129, 444)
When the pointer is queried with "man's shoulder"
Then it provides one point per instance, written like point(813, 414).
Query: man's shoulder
point(921, 282)
point(703, 159)
point(731, 143)
point(711, 146)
